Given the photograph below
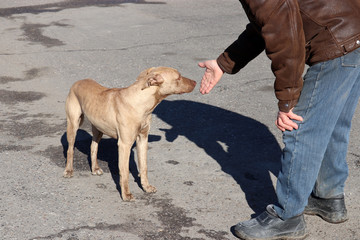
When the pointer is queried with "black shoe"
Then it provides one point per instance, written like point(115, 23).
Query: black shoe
point(269, 225)
point(332, 210)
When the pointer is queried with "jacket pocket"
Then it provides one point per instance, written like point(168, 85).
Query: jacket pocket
point(351, 59)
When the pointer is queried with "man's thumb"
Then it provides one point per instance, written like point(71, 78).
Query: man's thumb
point(201, 64)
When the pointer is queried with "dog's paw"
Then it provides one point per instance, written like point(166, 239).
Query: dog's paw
point(97, 171)
point(149, 189)
point(128, 197)
point(68, 173)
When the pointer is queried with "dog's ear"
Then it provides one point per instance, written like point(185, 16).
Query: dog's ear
point(144, 73)
point(153, 79)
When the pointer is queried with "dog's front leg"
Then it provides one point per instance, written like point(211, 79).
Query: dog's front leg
point(124, 158)
point(95, 169)
point(141, 148)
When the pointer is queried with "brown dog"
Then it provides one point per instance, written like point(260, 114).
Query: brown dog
point(123, 114)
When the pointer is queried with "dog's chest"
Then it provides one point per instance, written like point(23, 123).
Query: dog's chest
point(105, 125)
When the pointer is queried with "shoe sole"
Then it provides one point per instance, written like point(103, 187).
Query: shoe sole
point(315, 213)
point(243, 237)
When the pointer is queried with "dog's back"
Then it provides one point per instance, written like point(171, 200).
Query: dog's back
point(85, 89)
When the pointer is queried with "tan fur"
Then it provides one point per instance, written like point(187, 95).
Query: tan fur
point(123, 114)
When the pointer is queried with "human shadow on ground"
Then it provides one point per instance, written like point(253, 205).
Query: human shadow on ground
point(244, 148)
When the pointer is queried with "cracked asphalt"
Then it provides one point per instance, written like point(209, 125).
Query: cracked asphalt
point(214, 159)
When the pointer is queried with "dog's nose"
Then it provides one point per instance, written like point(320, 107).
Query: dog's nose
point(189, 80)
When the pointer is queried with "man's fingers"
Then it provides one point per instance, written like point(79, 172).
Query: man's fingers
point(205, 88)
point(287, 123)
point(295, 117)
point(205, 85)
point(278, 126)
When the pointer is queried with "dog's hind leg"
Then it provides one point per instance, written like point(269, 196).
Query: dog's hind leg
point(74, 118)
point(95, 169)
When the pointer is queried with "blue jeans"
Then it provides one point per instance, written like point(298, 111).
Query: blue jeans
point(314, 156)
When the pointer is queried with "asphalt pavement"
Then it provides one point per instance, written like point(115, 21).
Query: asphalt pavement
point(213, 158)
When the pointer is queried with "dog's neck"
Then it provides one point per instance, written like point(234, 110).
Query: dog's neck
point(147, 98)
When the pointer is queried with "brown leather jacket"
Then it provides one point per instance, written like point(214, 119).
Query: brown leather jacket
point(294, 32)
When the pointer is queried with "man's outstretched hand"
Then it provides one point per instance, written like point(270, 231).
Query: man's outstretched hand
point(212, 75)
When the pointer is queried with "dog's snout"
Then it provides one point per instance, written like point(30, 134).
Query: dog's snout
point(188, 84)
point(192, 82)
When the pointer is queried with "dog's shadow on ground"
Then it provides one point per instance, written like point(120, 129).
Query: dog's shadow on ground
point(244, 148)
point(107, 155)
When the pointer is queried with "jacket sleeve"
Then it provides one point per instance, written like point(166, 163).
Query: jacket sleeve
point(282, 32)
point(248, 46)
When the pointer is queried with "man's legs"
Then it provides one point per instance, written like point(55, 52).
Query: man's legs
point(316, 152)
point(327, 103)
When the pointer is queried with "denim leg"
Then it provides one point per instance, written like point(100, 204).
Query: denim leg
point(334, 169)
point(323, 105)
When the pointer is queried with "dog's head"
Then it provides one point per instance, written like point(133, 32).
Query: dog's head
point(168, 80)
